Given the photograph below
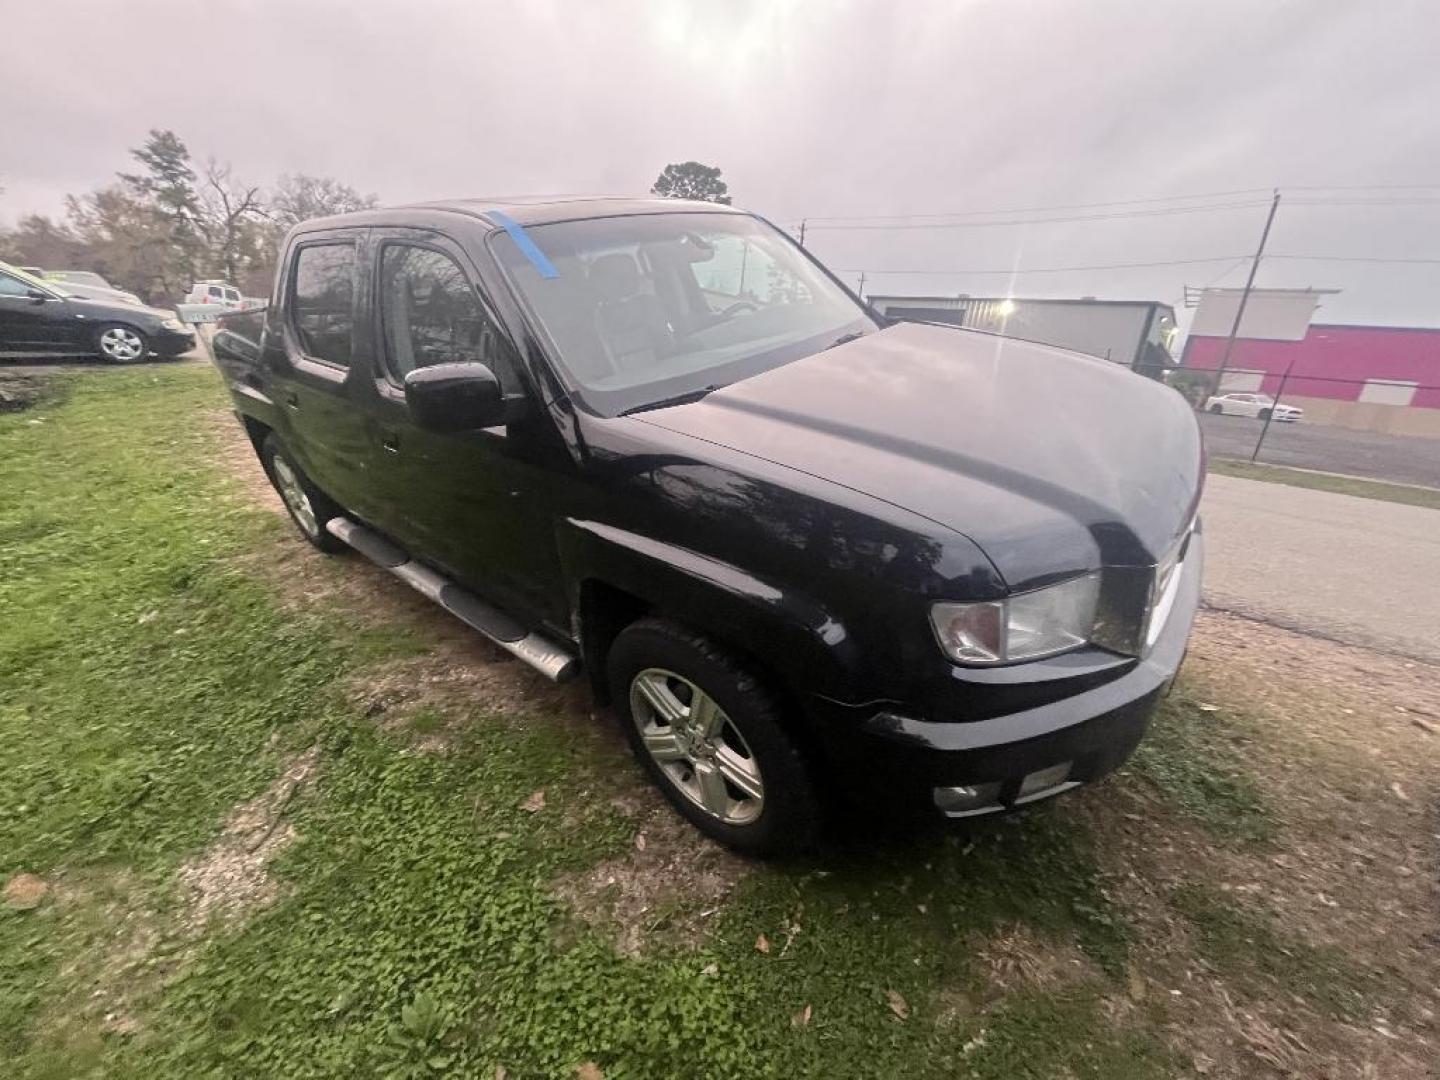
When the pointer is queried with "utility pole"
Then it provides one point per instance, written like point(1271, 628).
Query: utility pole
point(1271, 414)
point(861, 290)
point(802, 231)
point(1245, 296)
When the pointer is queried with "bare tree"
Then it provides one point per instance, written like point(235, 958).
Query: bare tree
point(297, 197)
point(229, 216)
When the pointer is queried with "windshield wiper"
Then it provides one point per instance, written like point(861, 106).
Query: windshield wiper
point(678, 399)
point(845, 339)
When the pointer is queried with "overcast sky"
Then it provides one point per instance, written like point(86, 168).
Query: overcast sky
point(812, 110)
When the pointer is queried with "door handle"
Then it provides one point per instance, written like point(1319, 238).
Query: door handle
point(390, 442)
point(292, 400)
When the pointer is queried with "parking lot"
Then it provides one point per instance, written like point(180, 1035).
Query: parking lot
point(1399, 459)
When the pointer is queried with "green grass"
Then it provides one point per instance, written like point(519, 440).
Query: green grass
point(1040, 1036)
point(150, 681)
point(1247, 945)
point(1195, 757)
point(1319, 481)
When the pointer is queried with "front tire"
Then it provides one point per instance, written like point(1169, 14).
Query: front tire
point(309, 508)
point(121, 344)
point(1217, 409)
point(710, 737)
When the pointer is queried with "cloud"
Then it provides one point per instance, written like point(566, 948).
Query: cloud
point(810, 109)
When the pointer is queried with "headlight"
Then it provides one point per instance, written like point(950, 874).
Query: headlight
point(1024, 627)
point(172, 324)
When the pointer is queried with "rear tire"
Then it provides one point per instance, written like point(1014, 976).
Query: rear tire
point(1264, 414)
point(121, 344)
point(709, 735)
point(1218, 410)
point(309, 508)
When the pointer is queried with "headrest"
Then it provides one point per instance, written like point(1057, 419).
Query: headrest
point(615, 276)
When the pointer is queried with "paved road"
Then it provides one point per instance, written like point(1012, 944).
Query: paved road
point(1405, 459)
point(1358, 570)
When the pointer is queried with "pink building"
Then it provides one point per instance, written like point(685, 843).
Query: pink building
point(1380, 378)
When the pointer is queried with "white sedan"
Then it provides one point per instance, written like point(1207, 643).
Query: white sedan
point(1257, 405)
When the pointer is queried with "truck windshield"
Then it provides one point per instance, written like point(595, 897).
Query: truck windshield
point(650, 308)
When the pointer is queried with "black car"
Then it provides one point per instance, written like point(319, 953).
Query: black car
point(46, 318)
point(800, 551)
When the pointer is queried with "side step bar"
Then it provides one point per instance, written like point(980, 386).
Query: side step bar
point(552, 661)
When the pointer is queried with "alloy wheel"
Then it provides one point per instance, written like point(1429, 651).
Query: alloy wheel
point(121, 343)
point(293, 494)
point(697, 746)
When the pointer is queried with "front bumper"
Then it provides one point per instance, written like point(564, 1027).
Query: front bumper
point(171, 342)
point(917, 765)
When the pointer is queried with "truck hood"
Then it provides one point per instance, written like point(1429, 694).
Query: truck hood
point(1049, 460)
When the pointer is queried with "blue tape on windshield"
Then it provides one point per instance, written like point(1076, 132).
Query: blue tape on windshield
point(525, 244)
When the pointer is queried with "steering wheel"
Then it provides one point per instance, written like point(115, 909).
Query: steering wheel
point(737, 307)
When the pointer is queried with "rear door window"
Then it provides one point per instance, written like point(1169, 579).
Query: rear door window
point(322, 292)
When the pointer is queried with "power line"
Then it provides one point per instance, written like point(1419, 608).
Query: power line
point(1354, 258)
point(1363, 187)
point(1302, 201)
point(1059, 269)
point(1208, 208)
point(1317, 198)
point(1043, 209)
point(1235, 260)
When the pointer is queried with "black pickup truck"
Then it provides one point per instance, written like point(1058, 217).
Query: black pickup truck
point(802, 552)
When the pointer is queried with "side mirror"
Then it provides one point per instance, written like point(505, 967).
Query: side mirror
point(37, 296)
point(228, 345)
point(455, 397)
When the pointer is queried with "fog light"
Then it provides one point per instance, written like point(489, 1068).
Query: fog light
point(966, 799)
point(1043, 780)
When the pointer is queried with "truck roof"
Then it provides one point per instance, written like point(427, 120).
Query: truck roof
point(525, 210)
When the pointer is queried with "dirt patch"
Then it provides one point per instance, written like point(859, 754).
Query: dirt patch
point(21, 390)
point(24, 892)
point(231, 877)
point(1340, 905)
point(460, 669)
point(1015, 958)
point(127, 947)
point(124, 952)
point(666, 889)
point(435, 694)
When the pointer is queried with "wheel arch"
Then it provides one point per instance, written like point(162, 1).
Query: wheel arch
point(619, 576)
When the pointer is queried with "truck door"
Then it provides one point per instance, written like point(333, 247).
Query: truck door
point(477, 503)
point(312, 352)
